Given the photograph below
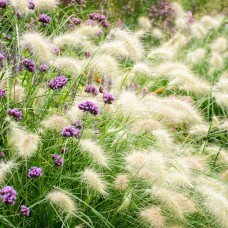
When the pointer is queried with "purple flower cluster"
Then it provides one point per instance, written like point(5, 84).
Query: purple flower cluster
point(76, 21)
point(79, 2)
point(91, 22)
point(15, 113)
point(91, 89)
point(87, 54)
point(78, 124)
point(70, 131)
point(99, 18)
point(2, 93)
point(31, 5)
point(25, 211)
point(8, 195)
point(3, 3)
point(29, 65)
point(43, 68)
point(108, 98)
point(58, 159)
point(162, 11)
point(2, 155)
point(101, 89)
point(35, 172)
point(2, 57)
point(44, 18)
point(56, 50)
point(89, 106)
point(58, 82)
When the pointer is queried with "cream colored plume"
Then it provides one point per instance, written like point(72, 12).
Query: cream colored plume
point(104, 64)
point(95, 181)
point(221, 99)
point(216, 61)
point(130, 41)
point(77, 41)
point(198, 31)
point(219, 45)
point(121, 182)
point(95, 151)
point(55, 122)
point(17, 93)
point(216, 203)
point(68, 64)
point(24, 143)
point(46, 5)
point(149, 166)
point(144, 23)
point(115, 48)
point(157, 33)
point(6, 168)
point(20, 6)
point(209, 22)
point(196, 57)
point(38, 45)
point(177, 203)
point(63, 200)
point(153, 216)
point(87, 30)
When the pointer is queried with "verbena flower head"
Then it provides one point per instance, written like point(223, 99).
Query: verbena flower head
point(15, 113)
point(91, 89)
point(91, 22)
point(79, 2)
point(89, 106)
point(99, 18)
point(8, 195)
point(108, 98)
point(35, 172)
point(44, 19)
point(31, 5)
point(76, 21)
point(2, 155)
point(87, 54)
point(2, 93)
point(58, 82)
point(25, 211)
point(70, 131)
point(58, 159)
point(78, 124)
point(3, 3)
point(29, 65)
point(43, 68)
point(2, 57)
point(101, 89)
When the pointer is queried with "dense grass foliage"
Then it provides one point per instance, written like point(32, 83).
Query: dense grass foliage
point(104, 125)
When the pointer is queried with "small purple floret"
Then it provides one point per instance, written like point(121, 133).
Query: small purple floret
point(29, 65)
point(25, 211)
point(8, 195)
point(15, 113)
point(58, 82)
point(3, 3)
point(2, 155)
point(31, 5)
point(44, 19)
point(87, 54)
point(108, 98)
point(70, 131)
point(89, 106)
point(76, 21)
point(58, 159)
point(43, 68)
point(91, 89)
point(35, 172)
point(2, 93)
point(78, 124)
